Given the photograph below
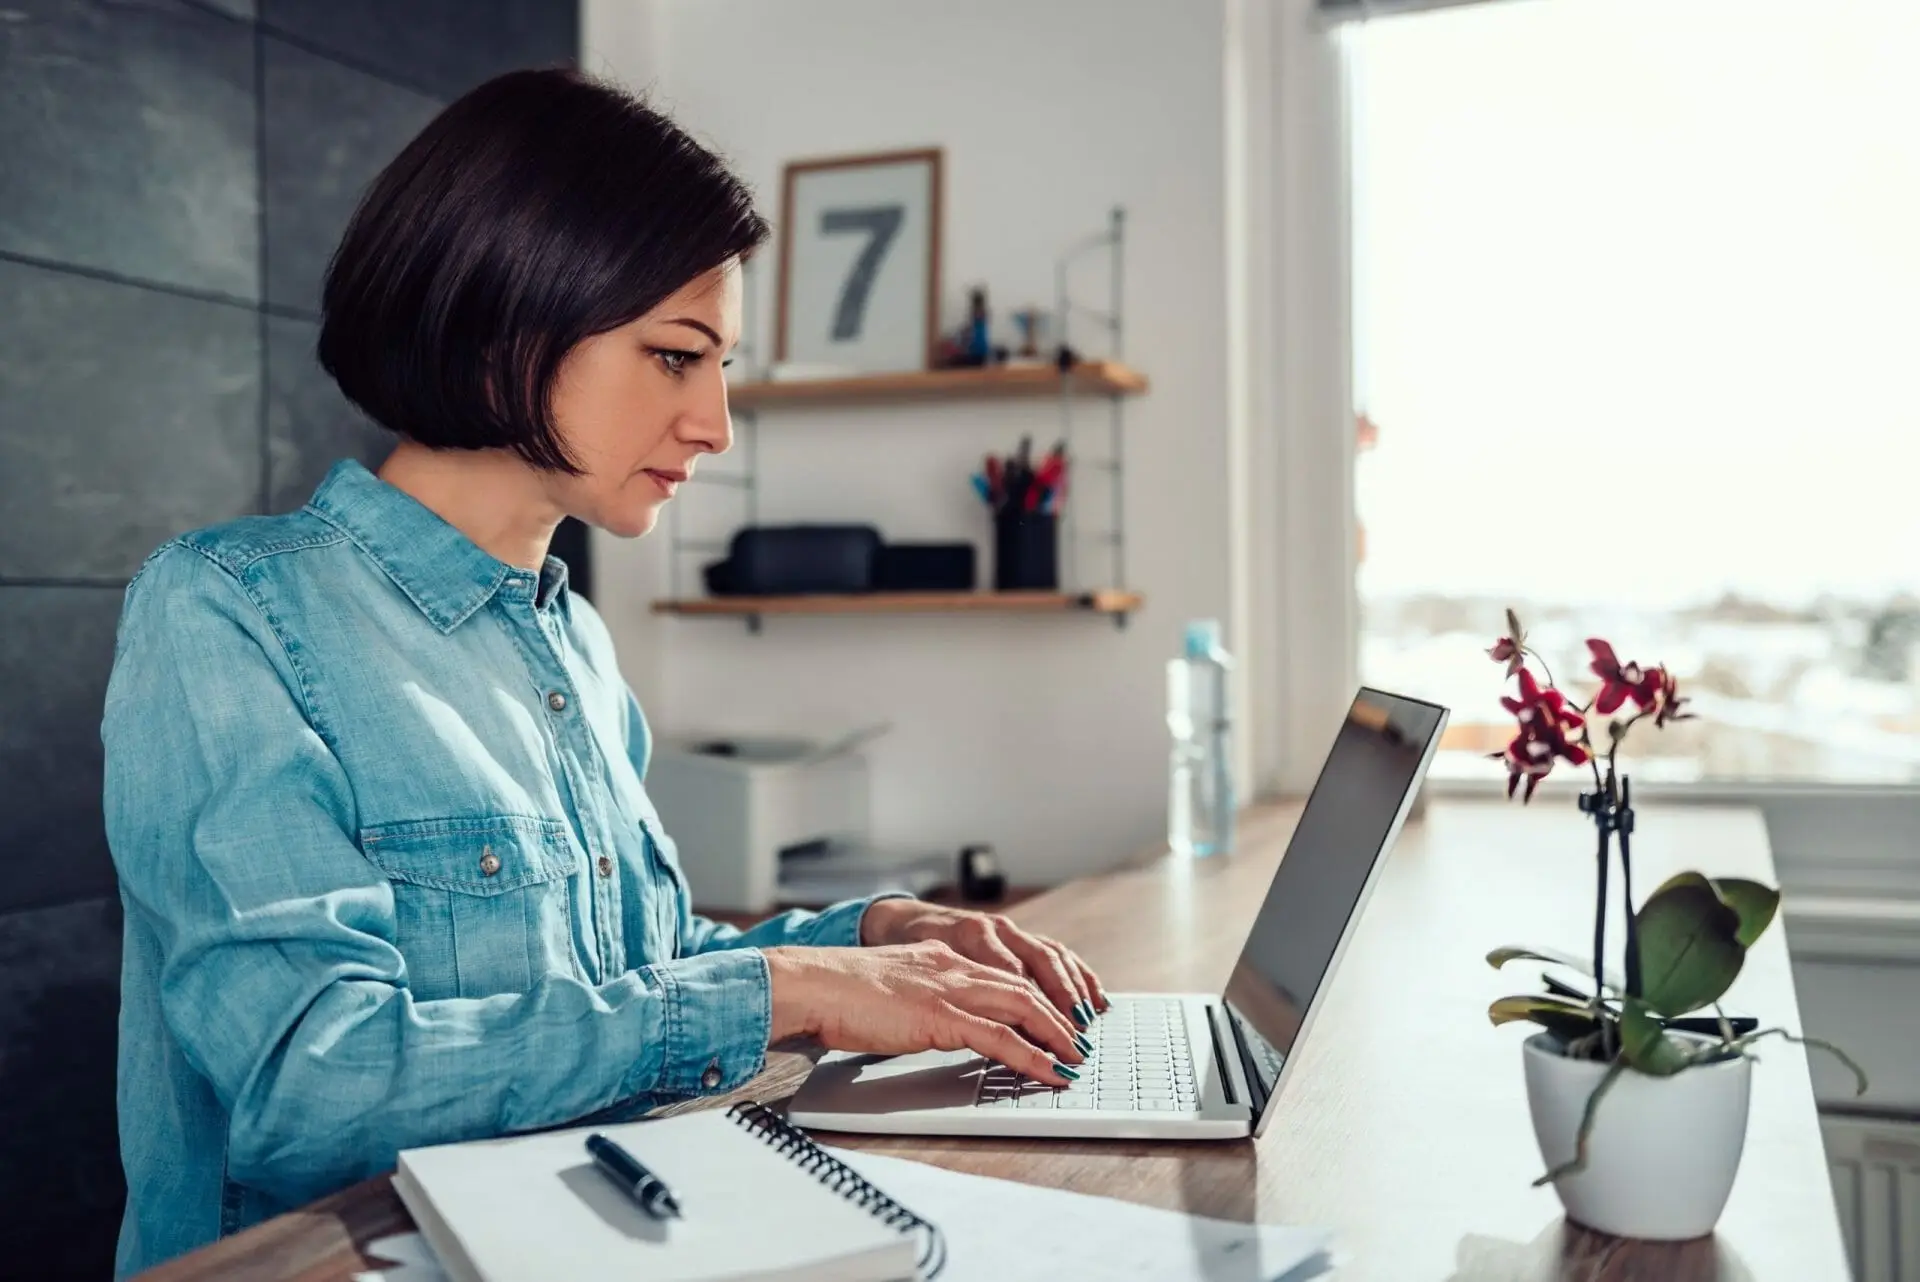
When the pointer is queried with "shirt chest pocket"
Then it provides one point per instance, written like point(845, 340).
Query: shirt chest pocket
point(482, 906)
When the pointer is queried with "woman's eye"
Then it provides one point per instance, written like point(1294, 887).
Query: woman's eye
point(676, 362)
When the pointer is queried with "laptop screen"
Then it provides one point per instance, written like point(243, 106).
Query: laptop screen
point(1355, 809)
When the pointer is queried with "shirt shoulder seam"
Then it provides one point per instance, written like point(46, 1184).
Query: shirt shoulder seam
point(254, 553)
point(309, 703)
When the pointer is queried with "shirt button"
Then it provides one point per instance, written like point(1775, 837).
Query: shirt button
point(489, 862)
point(557, 701)
point(711, 1078)
point(606, 866)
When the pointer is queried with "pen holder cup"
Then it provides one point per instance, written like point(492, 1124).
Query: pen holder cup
point(1026, 551)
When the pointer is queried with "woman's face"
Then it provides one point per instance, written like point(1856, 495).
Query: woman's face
point(638, 405)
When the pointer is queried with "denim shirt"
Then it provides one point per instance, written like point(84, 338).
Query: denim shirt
point(390, 874)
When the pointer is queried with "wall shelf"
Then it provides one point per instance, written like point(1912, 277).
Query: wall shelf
point(995, 382)
point(1111, 601)
point(1111, 381)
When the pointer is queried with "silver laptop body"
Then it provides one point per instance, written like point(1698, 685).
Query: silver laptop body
point(1182, 1065)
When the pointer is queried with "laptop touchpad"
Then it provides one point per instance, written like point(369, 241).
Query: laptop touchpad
point(853, 1083)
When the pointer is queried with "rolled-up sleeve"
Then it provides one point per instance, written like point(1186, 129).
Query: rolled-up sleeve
point(718, 1017)
point(230, 822)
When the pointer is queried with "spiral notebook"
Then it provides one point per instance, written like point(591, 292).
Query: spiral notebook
point(759, 1200)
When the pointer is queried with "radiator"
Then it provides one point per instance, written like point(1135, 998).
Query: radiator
point(1876, 1182)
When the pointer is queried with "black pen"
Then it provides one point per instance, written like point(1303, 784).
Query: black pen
point(635, 1180)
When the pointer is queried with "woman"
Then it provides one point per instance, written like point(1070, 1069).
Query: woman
point(373, 783)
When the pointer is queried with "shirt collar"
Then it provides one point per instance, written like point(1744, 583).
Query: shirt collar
point(443, 572)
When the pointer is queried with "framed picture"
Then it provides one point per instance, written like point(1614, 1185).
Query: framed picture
point(859, 284)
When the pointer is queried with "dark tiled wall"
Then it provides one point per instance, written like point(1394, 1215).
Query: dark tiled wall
point(173, 176)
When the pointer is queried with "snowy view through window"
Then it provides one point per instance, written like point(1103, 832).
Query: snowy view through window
point(1637, 345)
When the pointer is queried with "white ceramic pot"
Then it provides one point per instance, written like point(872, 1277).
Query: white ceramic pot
point(1663, 1152)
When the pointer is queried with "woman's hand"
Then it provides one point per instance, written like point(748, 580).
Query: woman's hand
point(989, 938)
point(913, 997)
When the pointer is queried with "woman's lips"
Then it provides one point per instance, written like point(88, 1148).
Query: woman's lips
point(668, 481)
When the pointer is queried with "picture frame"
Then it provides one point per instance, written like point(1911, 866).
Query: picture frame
point(859, 277)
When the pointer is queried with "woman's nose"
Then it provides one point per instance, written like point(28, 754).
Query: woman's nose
point(710, 426)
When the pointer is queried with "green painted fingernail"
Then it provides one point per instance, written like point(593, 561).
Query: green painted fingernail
point(1071, 1074)
point(1086, 1047)
point(1079, 1016)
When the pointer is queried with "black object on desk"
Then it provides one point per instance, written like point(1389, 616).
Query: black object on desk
point(1738, 1025)
point(980, 877)
point(636, 1181)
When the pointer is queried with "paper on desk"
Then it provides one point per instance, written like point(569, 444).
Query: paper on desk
point(1002, 1231)
point(413, 1260)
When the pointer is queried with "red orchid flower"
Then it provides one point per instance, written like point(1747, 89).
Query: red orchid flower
point(1671, 701)
point(1510, 649)
point(1622, 681)
point(1548, 726)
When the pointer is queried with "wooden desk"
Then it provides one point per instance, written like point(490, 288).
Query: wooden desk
point(1404, 1126)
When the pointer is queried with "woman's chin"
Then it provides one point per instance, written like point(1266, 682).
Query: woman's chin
point(634, 523)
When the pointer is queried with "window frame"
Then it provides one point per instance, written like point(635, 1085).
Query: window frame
point(1296, 599)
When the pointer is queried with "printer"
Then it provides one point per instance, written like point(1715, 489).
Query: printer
point(736, 804)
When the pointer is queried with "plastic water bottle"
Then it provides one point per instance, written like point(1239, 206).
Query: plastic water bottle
point(1201, 805)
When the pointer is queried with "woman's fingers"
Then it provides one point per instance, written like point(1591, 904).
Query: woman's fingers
point(982, 940)
point(1076, 972)
point(1090, 982)
point(1022, 1006)
point(1055, 978)
point(999, 1042)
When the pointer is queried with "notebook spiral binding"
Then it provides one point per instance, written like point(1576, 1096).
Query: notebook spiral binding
point(793, 1143)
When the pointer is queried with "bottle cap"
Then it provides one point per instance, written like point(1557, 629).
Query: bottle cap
point(1203, 638)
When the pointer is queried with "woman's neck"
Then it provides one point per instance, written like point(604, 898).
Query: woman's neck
point(491, 496)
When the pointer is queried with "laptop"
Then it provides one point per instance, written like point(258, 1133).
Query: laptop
point(1182, 1065)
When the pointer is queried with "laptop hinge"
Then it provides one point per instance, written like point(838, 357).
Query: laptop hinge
point(1220, 1052)
point(1255, 1084)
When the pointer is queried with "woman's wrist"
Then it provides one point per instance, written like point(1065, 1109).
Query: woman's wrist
point(878, 922)
point(791, 1005)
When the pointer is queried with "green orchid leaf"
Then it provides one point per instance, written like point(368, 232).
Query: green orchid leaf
point(1520, 952)
point(1690, 951)
point(1566, 1020)
point(1754, 903)
point(1645, 1043)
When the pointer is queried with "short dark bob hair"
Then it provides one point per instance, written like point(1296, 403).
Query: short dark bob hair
point(538, 210)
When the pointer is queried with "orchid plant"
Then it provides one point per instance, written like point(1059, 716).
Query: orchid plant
point(1685, 945)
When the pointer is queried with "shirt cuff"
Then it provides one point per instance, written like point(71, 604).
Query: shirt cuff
point(839, 926)
point(717, 1014)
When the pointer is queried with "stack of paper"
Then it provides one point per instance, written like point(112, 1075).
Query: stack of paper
point(852, 872)
point(1002, 1231)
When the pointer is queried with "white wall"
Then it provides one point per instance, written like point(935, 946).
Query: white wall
point(1042, 735)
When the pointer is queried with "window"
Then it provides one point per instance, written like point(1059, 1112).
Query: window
point(1636, 305)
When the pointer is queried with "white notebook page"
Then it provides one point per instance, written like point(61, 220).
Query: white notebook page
point(535, 1208)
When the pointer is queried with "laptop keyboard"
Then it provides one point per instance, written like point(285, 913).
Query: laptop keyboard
point(1142, 1061)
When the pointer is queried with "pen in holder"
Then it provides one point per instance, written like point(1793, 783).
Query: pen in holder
point(1024, 498)
point(1026, 550)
